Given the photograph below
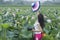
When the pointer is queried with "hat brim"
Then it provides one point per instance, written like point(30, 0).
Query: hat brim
point(36, 6)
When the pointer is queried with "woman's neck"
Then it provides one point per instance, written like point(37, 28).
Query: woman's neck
point(38, 13)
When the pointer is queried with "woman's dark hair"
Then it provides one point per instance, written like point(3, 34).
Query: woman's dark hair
point(41, 20)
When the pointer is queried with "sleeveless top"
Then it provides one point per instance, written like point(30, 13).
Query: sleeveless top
point(36, 27)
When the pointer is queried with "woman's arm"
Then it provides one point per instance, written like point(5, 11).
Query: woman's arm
point(33, 30)
point(36, 30)
point(39, 29)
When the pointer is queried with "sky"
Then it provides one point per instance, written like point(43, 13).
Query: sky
point(38, 0)
point(31, 0)
point(8, 0)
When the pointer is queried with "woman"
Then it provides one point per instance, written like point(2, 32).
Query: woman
point(38, 27)
point(39, 24)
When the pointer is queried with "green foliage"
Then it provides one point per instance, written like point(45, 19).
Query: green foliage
point(15, 20)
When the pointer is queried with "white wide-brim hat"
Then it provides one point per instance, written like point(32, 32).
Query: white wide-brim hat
point(35, 6)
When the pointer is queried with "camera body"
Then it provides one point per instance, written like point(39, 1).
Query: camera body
point(29, 28)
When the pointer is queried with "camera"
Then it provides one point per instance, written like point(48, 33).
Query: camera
point(29, 28)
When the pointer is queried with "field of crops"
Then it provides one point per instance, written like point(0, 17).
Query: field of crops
point(15, 20)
